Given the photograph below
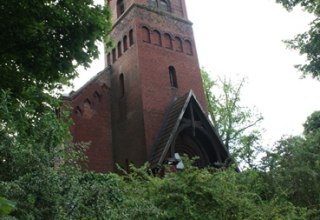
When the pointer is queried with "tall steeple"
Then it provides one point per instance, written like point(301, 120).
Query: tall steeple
point(154, 62)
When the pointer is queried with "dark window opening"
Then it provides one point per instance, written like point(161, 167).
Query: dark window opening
point(156, 38)
point(146, 34)
point(131, 37)
point(109, 59)
point(120, 7)
point(125, 43)
point(167, 41)
point(114, 57)
point(173, 77)
point(121, 81)
point(164, 5)
point(119, 49)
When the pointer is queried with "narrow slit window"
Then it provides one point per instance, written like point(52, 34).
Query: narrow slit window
point(119, 49)
point(120, 7)
point(121, 81)
point(114, 56)
point(131, 37)
point(173, 77)
point(109, 59)
point(125, 43)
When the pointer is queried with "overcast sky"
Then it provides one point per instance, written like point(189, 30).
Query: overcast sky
point(243, 38)
point(240, 38)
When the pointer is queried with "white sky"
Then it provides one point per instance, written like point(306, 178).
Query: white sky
point(240, 38)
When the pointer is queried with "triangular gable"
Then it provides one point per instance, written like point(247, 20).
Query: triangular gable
point(187, 113)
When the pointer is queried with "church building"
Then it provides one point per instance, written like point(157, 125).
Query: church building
point(148, 104)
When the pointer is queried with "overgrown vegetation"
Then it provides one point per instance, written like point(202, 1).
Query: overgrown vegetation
point(40, 176)
point(307, 43)
point(237, 125)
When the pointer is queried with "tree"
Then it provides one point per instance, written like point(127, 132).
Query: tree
point(41, 45)
point(233, 121)
point(43, 42)
point(294, 166)
point(6, 207)
point(312, 124)
point(307, 43)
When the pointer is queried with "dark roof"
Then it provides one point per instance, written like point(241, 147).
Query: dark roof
point(171, 125)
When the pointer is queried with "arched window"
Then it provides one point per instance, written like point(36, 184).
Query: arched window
point(164, 5)
point(188, 47)
point(109, 59)
point(153, 3)
point(120, 7)
point(173, 77)
point(145, 34)
point(121, 84)
point(119, 49)
point(131, 37)
point(178, 44)
point(167, 41)
point(156, 38)
point(125, 43)
point(114, 57)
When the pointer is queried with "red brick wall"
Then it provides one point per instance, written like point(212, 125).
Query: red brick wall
point(138, 116)
point(91, 114)
point(123, 127)
point(177, 7)
point(154, 62)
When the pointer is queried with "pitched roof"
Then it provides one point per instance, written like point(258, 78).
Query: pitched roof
point(73, 94)
point(171, 125)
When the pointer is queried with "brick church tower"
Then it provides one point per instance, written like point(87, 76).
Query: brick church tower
point(148, 104)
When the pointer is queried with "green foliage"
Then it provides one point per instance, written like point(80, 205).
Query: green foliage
point(312, 124)
point(6, 207)
point(39, 169)
point(43, 42)
point(31, 134)
point(311, 6)
point(294, 167)
point(40, 173)
point(307, 43)
point(233, 121)
point(194, 193)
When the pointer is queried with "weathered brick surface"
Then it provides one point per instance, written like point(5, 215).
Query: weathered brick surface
point(178, 7)
point(124, 123)
point(92, 122)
